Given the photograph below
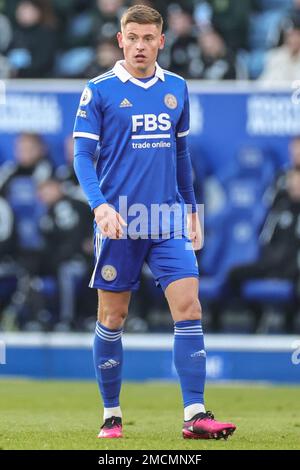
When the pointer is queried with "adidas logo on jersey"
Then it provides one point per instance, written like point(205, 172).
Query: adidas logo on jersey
point(125, 103)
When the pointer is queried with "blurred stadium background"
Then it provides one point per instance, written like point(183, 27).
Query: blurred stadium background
point(242, 63)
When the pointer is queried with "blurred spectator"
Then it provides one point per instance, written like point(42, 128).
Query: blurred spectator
point(149, 3)
point(106, 55)
point(214, 61)
point(53, 37)
point(283, 63)
point(68, 251)
point(76, 23)
point(66, 9)
point(181, 41)
point(5, 39)
point(8, 247)
point(107, 18)
point(31, 159)
point(280, 185)
point(4, 67)
point(87, 27)
point(7, 232)
point(66, 175)
point(294, 149)
point(90, 24)
point(230, 18)
point(18, 185)
point(164, 5)
point(6, 33)
point(8, 8)
point(279, 241)
point(296, 7)
point(33, 46)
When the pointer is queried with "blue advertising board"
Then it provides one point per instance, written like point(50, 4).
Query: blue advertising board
point(222, 119)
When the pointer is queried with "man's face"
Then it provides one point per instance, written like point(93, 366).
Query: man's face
point(50, 192)
point(211, 44)
point(295, 152)
point(28, 150)
point(140, 44)
point(293, 41)
point(294, 185)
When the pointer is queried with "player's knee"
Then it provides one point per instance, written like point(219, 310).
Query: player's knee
point(189, 309)
point(114, 319)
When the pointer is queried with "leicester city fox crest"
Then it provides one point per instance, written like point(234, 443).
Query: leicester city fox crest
point(109, 272)
point(170, 101)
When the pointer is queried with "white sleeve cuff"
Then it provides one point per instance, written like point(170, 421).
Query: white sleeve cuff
point(183, 134)
point(88, 135)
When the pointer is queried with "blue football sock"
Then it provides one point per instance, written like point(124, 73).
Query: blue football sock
point(108, 359)
point(190, 360)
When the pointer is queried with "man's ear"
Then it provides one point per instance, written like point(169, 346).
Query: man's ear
point(120, 39)
point(162, 41)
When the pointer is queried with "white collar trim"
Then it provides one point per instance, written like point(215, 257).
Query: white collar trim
point(124, 75)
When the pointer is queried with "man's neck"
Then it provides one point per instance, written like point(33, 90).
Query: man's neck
point(139, 73)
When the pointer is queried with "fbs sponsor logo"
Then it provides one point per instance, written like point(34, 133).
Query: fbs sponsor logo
point(109, 364)
point(151, 122)
point(125, 103)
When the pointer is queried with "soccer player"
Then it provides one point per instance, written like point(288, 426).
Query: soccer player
point(139, 116)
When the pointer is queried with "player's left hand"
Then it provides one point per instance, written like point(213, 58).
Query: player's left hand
point(195, 231)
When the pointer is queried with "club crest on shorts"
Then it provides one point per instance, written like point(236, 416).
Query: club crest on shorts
point(170, 101)
point(86, 96)
point(109, 272)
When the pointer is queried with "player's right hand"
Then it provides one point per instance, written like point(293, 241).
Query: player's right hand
point(109, 221)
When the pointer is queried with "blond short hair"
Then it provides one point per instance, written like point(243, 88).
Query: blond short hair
point(142, 14)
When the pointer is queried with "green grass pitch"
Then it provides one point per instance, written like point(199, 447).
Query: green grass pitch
point(66, 415)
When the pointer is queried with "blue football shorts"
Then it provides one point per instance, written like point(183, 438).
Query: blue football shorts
point(118, 263)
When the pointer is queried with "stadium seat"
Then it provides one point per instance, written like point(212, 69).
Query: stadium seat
point(256, 62)
point(252, 171)
point(274, 4)
point(277, 300)
point(243, 193)
point(211, 253)
point(211, 288)
point(239, 244)
point(264, 29)
point(255, 162)
point(80, 25)
point(271, 291)
point(241, 65)
point(73, 62)
point(7, 286)
point(245, 200)
point(19, 58)
point(27, 209)
point(47, 285)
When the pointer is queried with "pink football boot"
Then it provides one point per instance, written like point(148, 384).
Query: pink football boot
point(112, 428)
point(204, 426)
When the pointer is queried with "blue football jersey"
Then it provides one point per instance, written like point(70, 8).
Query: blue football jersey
point(136, 124)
